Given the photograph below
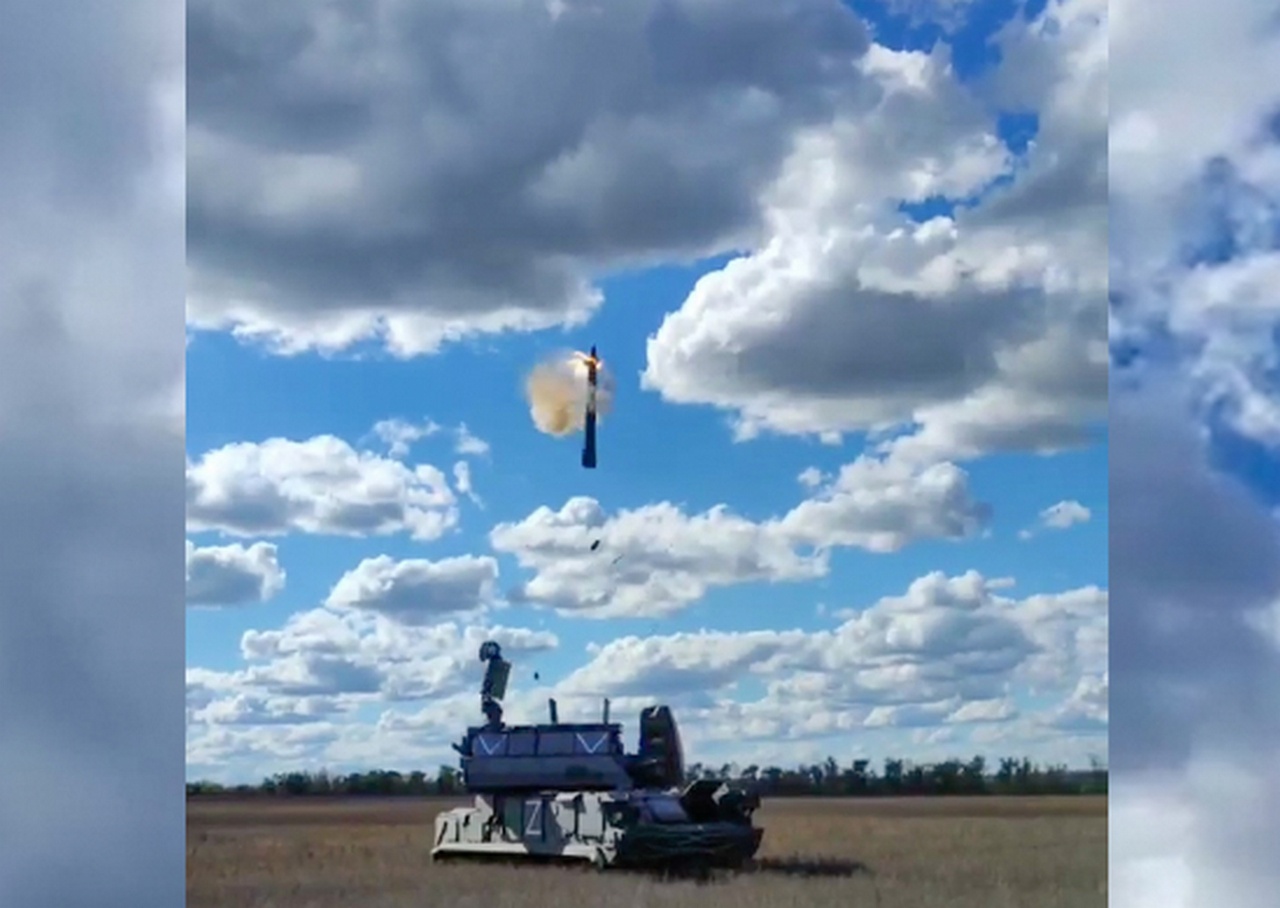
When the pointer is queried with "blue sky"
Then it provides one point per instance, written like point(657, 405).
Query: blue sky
point(967, 496)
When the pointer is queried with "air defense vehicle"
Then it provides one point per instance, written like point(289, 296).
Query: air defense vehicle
point(570, 791)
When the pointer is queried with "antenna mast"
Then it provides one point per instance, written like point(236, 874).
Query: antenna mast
point(494, 687)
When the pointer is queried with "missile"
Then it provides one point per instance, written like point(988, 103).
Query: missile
point(589, 428)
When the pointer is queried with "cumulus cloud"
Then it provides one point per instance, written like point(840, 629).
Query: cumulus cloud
point(462, 481)
point(655, 560)
point(1060, 516)
point(980, 331)
point(232, 574)
point(651, 561)
point(811, 477)
point(326, 662)
point(91, 325)
point(1197, 682)
point(1197, 221)
point(321, 485)
point(947, 14)
point(1064, 514)
point(326, 207)
point(1194, 184)
point(949, 648)
point(930, 715)
point(885, 504)
point(469, 444)
point(957, 635)
point(949, 653)
point(1087, 707)
point(416, 591)
point(399, 435)
point(675, 664)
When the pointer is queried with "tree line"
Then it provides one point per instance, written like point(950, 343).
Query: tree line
point(895, 777)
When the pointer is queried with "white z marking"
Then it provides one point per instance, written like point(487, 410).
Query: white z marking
point(534, 817)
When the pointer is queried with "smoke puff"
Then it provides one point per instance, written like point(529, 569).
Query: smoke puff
point(556, 389)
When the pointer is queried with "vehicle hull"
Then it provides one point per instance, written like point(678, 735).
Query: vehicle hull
point(579, 828)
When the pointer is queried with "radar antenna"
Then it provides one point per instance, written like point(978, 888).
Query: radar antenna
point(494, 687)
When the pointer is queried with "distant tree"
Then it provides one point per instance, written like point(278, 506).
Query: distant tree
point(1013, 776)
point(893, 775)
point(975, 775)
point(447, 782)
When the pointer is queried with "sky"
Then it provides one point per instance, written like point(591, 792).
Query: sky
point(852, 486)
point(1194, 185)
point(859, 245)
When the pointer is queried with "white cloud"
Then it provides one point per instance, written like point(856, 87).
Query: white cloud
point(947, 654)
point(947, 651)
point(1195, 215)
point(91, 322)
point(1217, 187)
point(655, 560)
point(470, 444)
point(232, 574)
point(931, 717)
point(251, 709)
point(999, 709)
point(1201, 837)
point(1149, 866)
point(321, 485)
point(1060, 516)
point(650, 561)
point(949, 14)
point(417, 591)
point(1064, 514)
point(462, 481)
point(440, 200)
point(981, 332)
point(399, 435)
point(811, 477)
point(1086, 707)
point(885, 504)
point(1071, 633)
point(676, 664)
point(1196, 680)
point(326, 662)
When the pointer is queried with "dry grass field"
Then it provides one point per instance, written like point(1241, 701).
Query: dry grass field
point(904, 853)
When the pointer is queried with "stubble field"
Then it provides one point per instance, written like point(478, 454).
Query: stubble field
point(985, 852)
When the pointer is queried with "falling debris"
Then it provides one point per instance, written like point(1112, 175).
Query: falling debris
point(595, 545)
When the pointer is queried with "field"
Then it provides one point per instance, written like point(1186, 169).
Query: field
point(985, 852)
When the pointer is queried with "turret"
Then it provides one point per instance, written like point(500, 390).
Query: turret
point(563, 756)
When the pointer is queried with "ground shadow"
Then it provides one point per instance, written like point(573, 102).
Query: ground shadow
point(811, 867)
point(798, 867)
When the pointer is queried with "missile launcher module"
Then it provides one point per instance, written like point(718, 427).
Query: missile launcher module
point(570, 791)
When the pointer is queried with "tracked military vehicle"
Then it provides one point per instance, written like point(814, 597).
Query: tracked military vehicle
point(570, 791)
